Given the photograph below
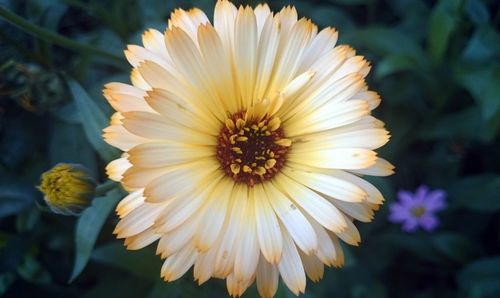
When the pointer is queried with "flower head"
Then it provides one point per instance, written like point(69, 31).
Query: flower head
point(418, 209)
point(245, 141)
point(68, 188)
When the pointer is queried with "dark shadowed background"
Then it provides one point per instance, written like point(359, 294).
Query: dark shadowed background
point(436, 65)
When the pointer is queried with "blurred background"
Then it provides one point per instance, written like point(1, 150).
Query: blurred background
point(436, 65)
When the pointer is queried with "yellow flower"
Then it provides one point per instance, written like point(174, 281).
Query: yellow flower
point(68, 188)
point(245, 141)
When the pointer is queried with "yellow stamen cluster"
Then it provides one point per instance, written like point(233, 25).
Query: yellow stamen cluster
point(68, 188)
point(418, 211)
point(252, 150)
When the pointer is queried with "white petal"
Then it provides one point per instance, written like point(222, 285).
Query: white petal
point(180, 180)
point(136, 177)
point(188, 21)
point(215, 215)
point(341, 158)
point(351, 234)
point(176, 265)
point(129, 203)
point(293, 220)
point(154, 41)
point(156, 127)
point(142, 239)
point(290, 266)
point(313, 266)
point(245, 53)
point(381, 167)
point(315, 205)
point(224, 16)
point(326, 184)
point(218, 68)
point(330, 116)
point(262, 11)
point(117, 136)
point(176, 109)
point(266, 54)
point(205, 264)
point(247, 253)
point(138, 220)
point(175, 240)
point(322, 43)
point(267, 278)
point(268, 229)
point(224, 263)
point(153, 155)
point(117, 167)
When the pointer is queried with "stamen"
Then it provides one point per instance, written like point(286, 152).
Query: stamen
point(252, 149)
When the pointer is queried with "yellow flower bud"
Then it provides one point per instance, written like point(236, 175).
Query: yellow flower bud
point(68, 188)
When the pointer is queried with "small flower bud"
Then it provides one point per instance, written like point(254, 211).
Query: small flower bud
point(68, 188)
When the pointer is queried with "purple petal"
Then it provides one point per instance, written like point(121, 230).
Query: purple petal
point(421, 193)
point(435, 200)
point(410, 225)
point(429, 222)
point(399, 213)
point(405, 197)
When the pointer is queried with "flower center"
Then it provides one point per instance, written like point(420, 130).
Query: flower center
point(418, 211)
point(253, 150)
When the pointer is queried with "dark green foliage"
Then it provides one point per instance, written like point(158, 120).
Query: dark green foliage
point(436, 65)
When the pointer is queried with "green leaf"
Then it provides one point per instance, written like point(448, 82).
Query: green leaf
point(31, 270)
point(393, 64)
point(466, 123)
point(93, 120)
point(384, 41)
point(484, 86)
point(142, 262)
point(15, 199)
point(478, 193)
point(68, 143)
point(442, 24)
point(481, 277)
point(477, 11)
point(483, 46)
point(88, 227)
point(453, 246)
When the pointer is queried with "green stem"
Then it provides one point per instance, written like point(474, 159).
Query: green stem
point(54, 37)
point(102, 189)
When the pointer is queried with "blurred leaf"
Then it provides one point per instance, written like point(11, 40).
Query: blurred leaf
point(67, 113)
point(454, 246)
point(483, 46)
point(466, 123)
point(350, 2)
point(327, 16)
point(481, 277)
point(26, 221)
point(88, 227)
point(93, 120)
point(68, 143)
point(6, 279)
point(484, 85)
point(162, 289)
point(478, 193)
point(32, 271)
point(46, 12)
point(442, 24)
point(142, 262)
point(393, 64)
point(384, 41)
point(477, 11)
point(15, 199)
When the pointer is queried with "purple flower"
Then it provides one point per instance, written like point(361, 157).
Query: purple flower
point(418, 209)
